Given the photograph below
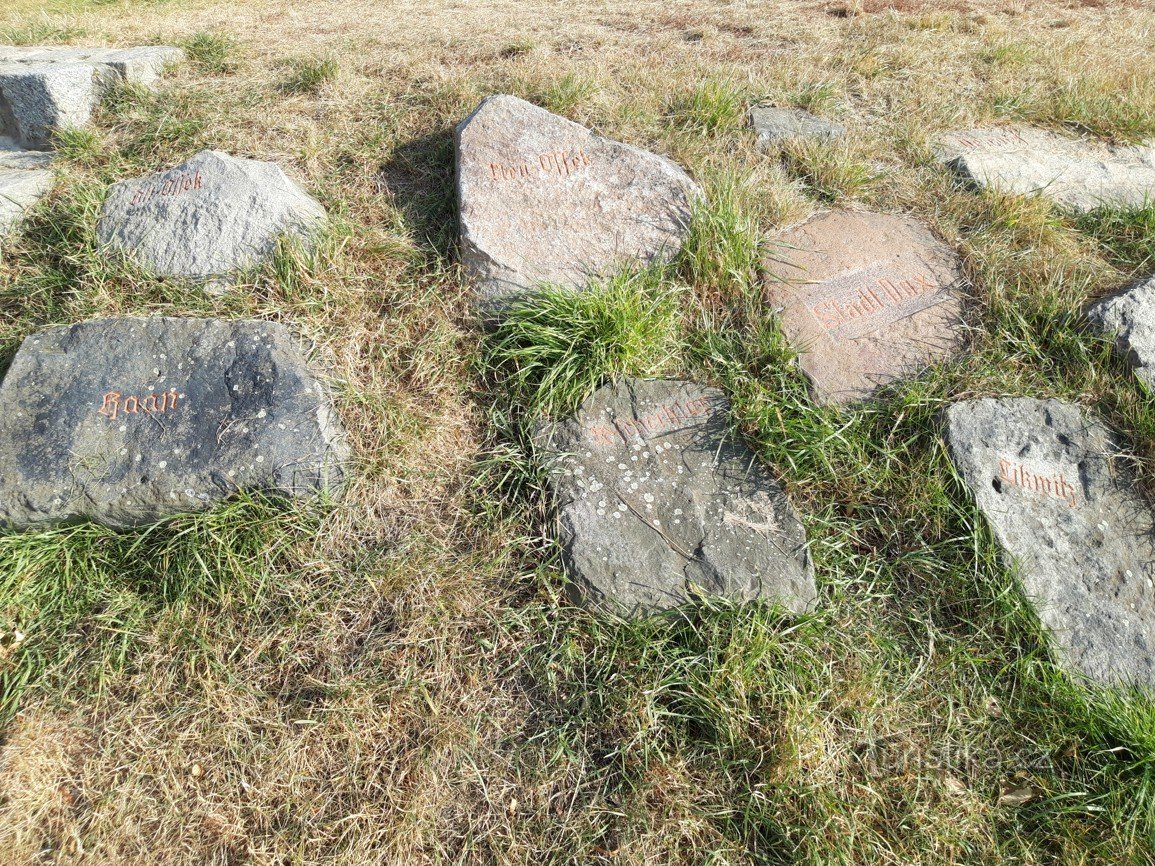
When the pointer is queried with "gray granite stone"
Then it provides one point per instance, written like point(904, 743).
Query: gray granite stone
point(1079, 174)
point(866, 299)
point(545, 200)
point(207, 218)
point(19, 190)
point(657, 501)
point(776, 125)
point(1080, 537)
point(1130, 318)
point(126, 421)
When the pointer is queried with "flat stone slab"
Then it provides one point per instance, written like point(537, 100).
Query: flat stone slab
point(12, 155)
point(126, 421)
point(544, 200)
point(207, 218)
point(1076, 173)
point(19, 190)
point(46, 89)
point(1080, 537)
point(1129, 317)
point(776, 125)
point(654, 497)
point(866, 299)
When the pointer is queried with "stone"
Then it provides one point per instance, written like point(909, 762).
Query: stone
point(207, 218)
point(866, 299)
point(1064, 509)
point(43, 90)
point(776, 125)
point(657, 502)
point(1076, 173)
point(19, 190)
point(126, 421)
point(12, 155)
point(1129, 317)
point(544, 200)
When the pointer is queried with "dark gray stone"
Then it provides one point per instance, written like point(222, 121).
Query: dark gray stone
point(126, 421)
point(207, 218)
point(1130, 318)
point(544, 200)
point(654, 497)
point(776, 125)
point(1065, 509)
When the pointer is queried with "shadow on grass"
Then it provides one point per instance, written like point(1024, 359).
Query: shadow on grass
point(419, 174)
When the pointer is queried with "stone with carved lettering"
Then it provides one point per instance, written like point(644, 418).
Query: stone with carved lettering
point(658, 502)
point(126, 421)
point(1129, 317)
point(775, 125)
point(1062, 504)
point(208, 218)
point(866, 299)
point(19, 190)
point(544, 200)
point(1077, 173)
point(43, 90)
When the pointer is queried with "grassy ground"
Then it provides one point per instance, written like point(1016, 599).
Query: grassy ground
point(398, 677)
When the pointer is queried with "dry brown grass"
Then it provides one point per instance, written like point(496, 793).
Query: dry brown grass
point(383, 703)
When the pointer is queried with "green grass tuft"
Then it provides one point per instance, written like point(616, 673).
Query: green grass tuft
point(310, 74)
point(212, 52)
point(713, 107)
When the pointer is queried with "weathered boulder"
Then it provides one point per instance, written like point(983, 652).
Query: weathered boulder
point(1076, 173)
point(126, 421)
point(544, 200)
point(19, 190)
point(1130, 318)
point(13, 155)
point(207, 218)
point(866, 299)
point(43, 90)
point(776, 125)
point(1080, 537)
point(655, 497)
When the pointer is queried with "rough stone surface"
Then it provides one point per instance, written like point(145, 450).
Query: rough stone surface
point(1130, 318)
point(1076, 173)
point(1064, 509)
point(866, 299)
point(12, 155)
point(207, 218)
point(775, 125)
point(125, 421)
point(654, 497)
point(19, 190)
point(545, 200)
point(46, 89)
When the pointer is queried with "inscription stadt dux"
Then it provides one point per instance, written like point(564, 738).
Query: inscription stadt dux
point(869, 299)
point(559, 163)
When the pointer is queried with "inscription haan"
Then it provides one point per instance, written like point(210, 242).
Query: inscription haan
point(115, 404)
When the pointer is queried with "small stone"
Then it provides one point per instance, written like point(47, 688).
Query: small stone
point(126, 421)
point(866, 299)
point(703, 516)
point(1076, 173)
point(776, 125)
point(1078, 534)
point(544, 200)
point(1130, 318)
point(208, 218)
point(19, 190)
point(12, 155)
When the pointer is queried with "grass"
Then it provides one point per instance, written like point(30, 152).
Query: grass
point(399, 677)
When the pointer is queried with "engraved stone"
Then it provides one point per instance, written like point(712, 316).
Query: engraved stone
point(126, 421)
point(208, 218)
point(1080, 537)
point(545, 200)
point(866, 299)
point(655, 496)
point(1130, 318)
point(46, 89)
point(19, 190)
point(775, 125)
point(1078, 174)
